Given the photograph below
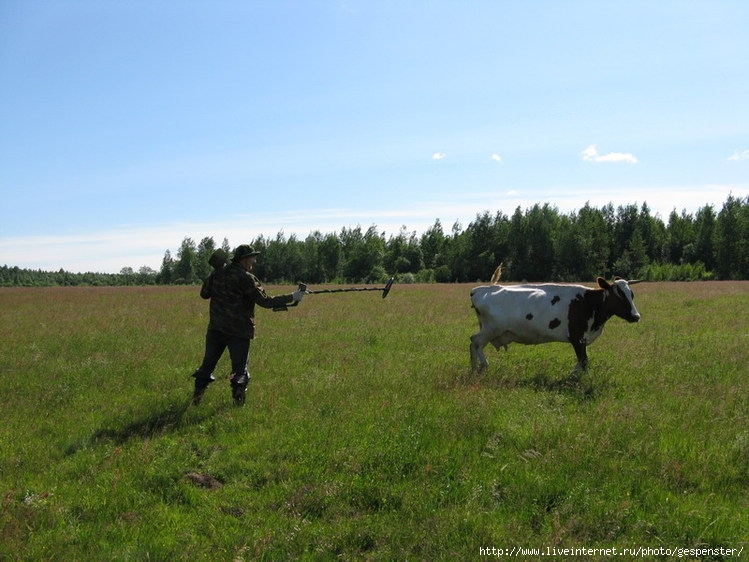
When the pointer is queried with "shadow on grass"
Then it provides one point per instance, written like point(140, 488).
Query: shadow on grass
point(169, 418)
point(574, 385)
point(151, 424)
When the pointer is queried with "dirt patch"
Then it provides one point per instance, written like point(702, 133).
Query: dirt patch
point(204, 480)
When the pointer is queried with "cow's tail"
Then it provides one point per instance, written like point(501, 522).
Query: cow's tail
point(497, 274)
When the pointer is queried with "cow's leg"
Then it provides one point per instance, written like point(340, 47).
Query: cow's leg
point(478, 359)
point(582, 357)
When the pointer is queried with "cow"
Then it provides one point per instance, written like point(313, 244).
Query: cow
point(547, 312)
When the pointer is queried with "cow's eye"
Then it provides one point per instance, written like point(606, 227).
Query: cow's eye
point(632, 293)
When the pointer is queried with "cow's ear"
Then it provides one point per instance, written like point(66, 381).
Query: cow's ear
point(603, 284)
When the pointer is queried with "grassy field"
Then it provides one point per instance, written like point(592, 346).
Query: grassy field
point(365, 435)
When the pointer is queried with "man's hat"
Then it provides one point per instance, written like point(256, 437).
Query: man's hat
point(244, 251)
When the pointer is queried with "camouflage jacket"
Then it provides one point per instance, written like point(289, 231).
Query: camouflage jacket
point(234, 292)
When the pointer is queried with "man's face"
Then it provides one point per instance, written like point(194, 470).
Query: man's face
point(249, 262)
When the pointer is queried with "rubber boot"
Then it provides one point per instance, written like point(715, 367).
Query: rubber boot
point(201, 383)
point(239, 387)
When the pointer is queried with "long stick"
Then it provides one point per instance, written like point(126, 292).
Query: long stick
point(385, 290)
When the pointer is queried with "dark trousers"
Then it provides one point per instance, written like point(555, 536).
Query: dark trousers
point(215, 344)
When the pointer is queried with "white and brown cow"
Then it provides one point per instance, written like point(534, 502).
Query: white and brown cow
point(548, 312)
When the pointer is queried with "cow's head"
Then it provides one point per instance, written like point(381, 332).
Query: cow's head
point(620, 299)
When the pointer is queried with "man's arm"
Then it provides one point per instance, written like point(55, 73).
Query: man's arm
point(263, 299)
point(206, 290)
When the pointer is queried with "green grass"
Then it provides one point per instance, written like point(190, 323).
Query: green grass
point(365, 435)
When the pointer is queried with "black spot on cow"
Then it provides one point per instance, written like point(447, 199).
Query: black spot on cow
point(554, 323)
point(555, 300)
point(529, 316)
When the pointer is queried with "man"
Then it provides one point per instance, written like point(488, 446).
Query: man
point(234, 291)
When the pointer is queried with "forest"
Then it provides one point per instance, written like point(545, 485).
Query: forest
point(535, 244)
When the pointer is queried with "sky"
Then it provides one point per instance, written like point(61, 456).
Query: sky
point(127, 126)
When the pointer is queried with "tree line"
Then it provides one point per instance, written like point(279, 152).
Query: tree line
point(535, 244)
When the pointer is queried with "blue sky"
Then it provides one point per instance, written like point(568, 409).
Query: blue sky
point(126, 126)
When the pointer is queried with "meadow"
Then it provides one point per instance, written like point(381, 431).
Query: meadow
point(365, 435)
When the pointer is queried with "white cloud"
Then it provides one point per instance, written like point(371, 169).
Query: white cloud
point(739, 155)
point(496, 158)
point(438, 155)
point(590, 154)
